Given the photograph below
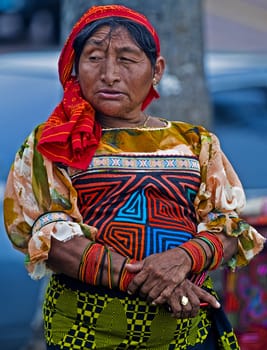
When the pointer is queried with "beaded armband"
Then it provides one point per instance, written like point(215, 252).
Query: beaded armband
point(216, 247)
point(48, 218)
point(198, 255)
point(95, 258)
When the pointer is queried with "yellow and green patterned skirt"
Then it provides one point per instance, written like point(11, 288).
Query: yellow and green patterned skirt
point(78, 316)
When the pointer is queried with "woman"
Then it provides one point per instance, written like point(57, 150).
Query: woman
point(127, 212)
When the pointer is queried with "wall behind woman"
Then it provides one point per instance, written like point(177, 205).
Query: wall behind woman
point(183, 91)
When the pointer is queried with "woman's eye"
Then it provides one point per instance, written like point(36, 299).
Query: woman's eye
point(94, 58)
point(126, 59)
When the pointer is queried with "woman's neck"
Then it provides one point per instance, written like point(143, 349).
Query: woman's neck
point(109, 122)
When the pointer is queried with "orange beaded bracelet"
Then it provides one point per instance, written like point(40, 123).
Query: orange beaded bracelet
point(198, 254)
point(92, 265)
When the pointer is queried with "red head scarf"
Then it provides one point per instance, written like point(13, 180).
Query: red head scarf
point(71, 134)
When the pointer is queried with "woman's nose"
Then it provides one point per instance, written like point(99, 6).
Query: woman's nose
point(110, 72)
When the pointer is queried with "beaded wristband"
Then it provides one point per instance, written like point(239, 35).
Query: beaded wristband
point(126, 276)
point(92, 265)
point(208, 242)
point(122, 268)
point(215, 245)
point(110, 270)
point(84, 262)
point(101, 268)
point(93, 261)
point(199, 278)
point(197, 255)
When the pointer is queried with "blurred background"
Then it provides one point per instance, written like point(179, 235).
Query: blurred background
point(216, 75)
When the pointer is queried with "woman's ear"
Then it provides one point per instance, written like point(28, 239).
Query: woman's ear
point(159, 70)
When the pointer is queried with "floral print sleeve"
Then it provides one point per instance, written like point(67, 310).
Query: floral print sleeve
point(39, 201)
point(220, 201)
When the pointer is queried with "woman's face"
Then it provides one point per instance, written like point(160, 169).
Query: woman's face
point(115, 75)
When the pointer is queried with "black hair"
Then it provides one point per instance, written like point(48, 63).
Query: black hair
point(138, 32)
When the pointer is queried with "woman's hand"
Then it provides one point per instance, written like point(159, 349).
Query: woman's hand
point(65, 257)
point(193, 297)
point(158, 275)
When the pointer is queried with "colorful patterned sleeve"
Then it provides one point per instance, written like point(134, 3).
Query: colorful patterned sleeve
point(39, 201)
point(221, 199)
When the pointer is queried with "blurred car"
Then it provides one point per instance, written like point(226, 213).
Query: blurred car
point(31, 20)
point(238, 88)
point(29, 92)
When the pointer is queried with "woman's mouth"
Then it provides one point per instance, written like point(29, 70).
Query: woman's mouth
point(109, 93)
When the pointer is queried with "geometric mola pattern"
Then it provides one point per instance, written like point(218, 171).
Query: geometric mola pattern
point(139, 212)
